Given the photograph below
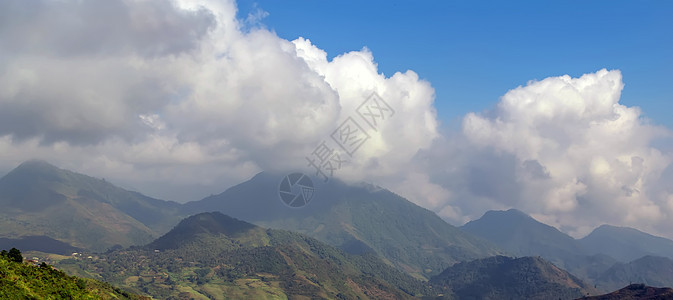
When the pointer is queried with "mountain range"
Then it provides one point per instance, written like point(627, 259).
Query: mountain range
point(626, 244)
point(211, 254)
point(90, 213)
point(365, 235)
point(357, 219)
point(604, 258)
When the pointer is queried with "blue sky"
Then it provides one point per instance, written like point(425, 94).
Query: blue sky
point(474, 51)
point(185, 105)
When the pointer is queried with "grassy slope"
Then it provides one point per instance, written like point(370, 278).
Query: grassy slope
point(24, 281)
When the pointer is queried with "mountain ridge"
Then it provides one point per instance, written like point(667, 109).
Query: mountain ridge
point(356, 218)
point(502, 277)
point(212, 254)
point(522, 235)
point(83, 211)
point(626, 243)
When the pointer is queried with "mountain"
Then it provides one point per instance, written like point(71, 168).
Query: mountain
point(625, 243)
point(211, 255)
point(599, 258)
point(636, 292)
point(503, 277)
point(521, 235)
point(38, 243)
point(192, 230)
point(26, 281)
point(39, 199)
point(650, 270)
point(356, 218)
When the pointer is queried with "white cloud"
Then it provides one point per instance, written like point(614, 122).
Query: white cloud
point(171, 96)
point(565, 150)
point(183, 93)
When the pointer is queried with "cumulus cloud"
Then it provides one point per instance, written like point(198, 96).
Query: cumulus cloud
point(565, 150)
point(183, 93)
point(168, 97)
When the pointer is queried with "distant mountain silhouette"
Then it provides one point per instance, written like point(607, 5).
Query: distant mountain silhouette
point(40, 199)
point(636, 292)
point(357, 218)
point(521, 235)
point(503, 277)
point(626, 244)
point(38, 243)
point(650, 270)
point(590, 258)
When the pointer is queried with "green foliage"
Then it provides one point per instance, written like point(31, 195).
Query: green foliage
point(419, 243)
point(15, 255)
point(250, 262)
point(503, 277)
point(26, 281)
point(357, 219)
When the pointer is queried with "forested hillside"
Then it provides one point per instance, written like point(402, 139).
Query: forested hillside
point(19, 280)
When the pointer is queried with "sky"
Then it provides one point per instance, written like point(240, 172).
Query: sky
point(559, 110)
point(461, 45)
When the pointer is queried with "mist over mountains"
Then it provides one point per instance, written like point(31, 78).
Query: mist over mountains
point(386, 237)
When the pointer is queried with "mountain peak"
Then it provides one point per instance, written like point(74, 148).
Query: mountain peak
point(36, 163)
point(208, 223)
point(510, 216)
point(502, 277)
point(605, 228)
point(29, 186)
point(34, 166)
point(510, 213)
point(520, 234)
point(626, 243)
point(68, 206)
point(214, 222)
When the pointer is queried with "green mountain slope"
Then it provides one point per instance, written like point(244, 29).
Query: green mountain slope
point(521, 235)
point(358, 219)
point(216, 256)
point(589, 258)
point(625, 243)
point(503, 277)
point(39, 199)
point(650, 270)
point(26, 281)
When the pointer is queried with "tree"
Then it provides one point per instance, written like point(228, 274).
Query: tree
point(15, 255)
